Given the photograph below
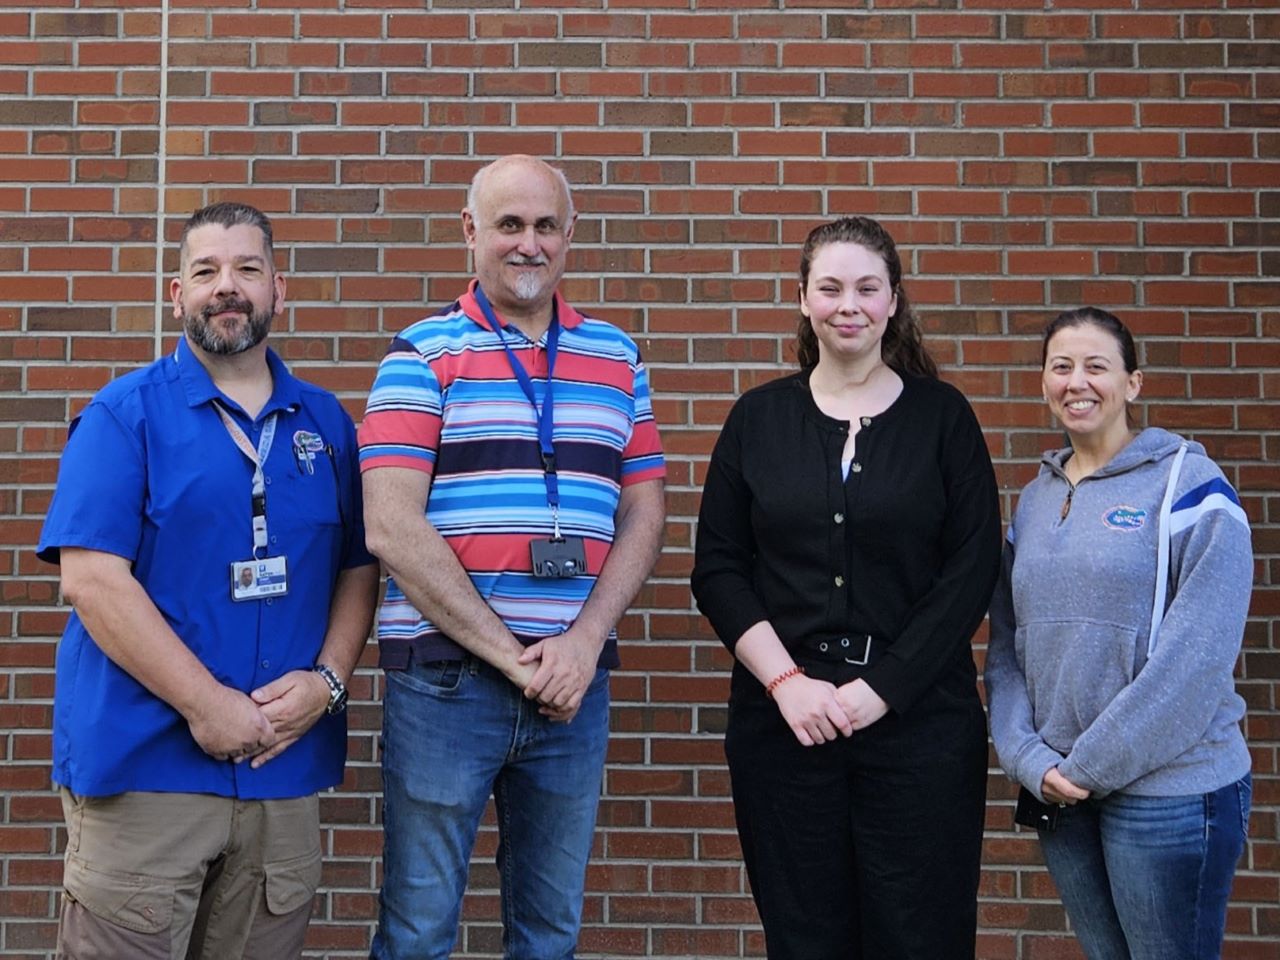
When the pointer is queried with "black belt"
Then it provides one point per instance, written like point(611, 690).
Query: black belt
point(859, 649)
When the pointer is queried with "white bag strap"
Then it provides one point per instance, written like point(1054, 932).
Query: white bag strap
point(1162, 551)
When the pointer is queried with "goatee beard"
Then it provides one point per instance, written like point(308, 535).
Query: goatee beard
point(207, 338)
point(528, 286)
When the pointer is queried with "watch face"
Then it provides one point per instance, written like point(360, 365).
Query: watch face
point(338, 703)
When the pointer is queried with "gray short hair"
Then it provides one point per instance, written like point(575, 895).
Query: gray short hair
point(228, 214)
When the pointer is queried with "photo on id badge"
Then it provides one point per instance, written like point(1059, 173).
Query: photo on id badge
point(254, 579)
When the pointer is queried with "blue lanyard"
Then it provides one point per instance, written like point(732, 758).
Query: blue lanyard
point(545, 414)
point(257, 458)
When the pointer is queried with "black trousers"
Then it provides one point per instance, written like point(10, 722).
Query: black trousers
point(866, 848)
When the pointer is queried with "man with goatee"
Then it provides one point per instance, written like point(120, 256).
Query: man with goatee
point(207, 520)
point(514, 490)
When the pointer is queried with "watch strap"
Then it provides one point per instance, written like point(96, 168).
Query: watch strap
point(337, 689)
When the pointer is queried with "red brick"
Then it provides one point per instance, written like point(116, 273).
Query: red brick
point(428, 26)
point(200, 113)
point(77, 82)
point(1181, 115)
point(1024, 158)
point(255, 25)
point(258, 83)
point(964, 86)
point(81, 199)
point(754, 54)
point(1003, 114)
point(1002, 55)
point(1093, 114)
point(381, 114)
point(297, 54)
point(342, 26)
point(607, 25)
point(690, 27)
point(207, 171)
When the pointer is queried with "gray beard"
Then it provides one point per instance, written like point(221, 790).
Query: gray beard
point(528, 287)
point(204, 336)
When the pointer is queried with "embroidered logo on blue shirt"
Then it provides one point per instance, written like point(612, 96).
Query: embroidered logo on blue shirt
point(1127, 519)
point(307, 441)
point(305, 447)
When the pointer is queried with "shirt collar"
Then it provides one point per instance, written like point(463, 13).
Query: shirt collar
point(569, 317)
point(199, 387)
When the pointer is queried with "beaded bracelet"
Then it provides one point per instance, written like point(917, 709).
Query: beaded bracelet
point(780, 679)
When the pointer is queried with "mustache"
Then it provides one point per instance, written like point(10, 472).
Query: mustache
point(235, 304)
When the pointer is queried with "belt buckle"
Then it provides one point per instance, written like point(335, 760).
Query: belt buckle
point(866, 653)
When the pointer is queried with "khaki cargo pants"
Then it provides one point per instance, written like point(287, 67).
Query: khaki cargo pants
point(182, 876)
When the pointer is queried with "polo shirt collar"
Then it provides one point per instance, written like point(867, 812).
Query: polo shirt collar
point(199, 387)
point(569, 317)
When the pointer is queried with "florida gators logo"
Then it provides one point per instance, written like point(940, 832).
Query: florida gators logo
point(1125, 518)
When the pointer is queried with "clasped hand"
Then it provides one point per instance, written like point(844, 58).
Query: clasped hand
point(1058, 789)
point(231, 725)
point(556, 672)
point(817, 711)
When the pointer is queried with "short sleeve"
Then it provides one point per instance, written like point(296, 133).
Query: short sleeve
point(102, 481)
point(354, 551)
point(642, 458)
point(402, 421)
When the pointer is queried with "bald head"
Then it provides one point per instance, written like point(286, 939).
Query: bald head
point(524, 163)
point(518, 223)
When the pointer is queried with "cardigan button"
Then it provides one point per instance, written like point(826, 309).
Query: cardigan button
point(839, 518)
point(856, 468)
point(839, 580)
point(866, 421)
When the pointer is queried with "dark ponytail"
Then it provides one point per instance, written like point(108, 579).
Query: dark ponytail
point(902, 346)
point(1099, 318)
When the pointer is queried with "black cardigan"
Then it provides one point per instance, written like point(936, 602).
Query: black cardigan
point(907, 549)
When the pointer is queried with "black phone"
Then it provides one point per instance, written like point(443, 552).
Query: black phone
point(1031, 812)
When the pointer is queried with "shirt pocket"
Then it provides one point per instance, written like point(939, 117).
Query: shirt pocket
point(307, 493)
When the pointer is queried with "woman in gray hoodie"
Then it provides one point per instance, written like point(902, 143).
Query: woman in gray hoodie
point(1129, 731)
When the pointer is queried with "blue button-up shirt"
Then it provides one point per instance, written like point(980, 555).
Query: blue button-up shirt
point(151, 474)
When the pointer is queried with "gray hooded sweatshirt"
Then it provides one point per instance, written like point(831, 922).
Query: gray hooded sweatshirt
point(1068, 678)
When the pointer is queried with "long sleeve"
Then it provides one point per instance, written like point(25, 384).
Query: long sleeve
point(903, 547)
point(1023, 754)
point(726, 548)
point(943, 620)
point(1184, 695)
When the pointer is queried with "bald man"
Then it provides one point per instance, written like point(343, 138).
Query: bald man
point(513, 481)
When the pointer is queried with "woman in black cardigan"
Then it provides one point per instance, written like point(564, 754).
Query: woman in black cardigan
point(848, 544)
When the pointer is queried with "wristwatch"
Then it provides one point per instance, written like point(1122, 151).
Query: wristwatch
point(337, 689)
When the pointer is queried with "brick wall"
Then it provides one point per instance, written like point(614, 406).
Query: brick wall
point(1027, 157)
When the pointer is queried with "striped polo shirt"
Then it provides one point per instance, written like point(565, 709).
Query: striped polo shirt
point(445, 401)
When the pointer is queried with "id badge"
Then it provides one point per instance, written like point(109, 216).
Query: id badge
point(553, 559)
point(255, 579)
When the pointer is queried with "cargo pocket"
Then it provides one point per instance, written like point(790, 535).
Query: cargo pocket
point(138, 903)
point(290, 884)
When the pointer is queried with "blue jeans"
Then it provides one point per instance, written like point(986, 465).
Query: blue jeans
point(1148, 878)
point(454, 732)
